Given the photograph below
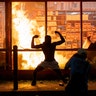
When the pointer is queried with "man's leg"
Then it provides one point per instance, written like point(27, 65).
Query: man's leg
point(59, 73)
point(39, 68)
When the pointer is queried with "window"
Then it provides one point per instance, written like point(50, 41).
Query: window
point(2, 37)
point(89, 23)
point(28, 19)
point(31, 18)
point(65, 17)
point(2, 25)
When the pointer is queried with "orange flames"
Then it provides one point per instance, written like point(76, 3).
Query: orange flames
point(23, 29)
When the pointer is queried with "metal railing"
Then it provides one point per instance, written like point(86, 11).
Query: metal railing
point(15, 72)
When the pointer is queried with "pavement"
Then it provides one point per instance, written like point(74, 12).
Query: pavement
point(25, 85)
point(43, 88)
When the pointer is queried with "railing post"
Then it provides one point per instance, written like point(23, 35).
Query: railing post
point(15, 70)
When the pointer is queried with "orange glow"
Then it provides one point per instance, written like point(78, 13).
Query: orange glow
point(86, 43)
point(23, 29)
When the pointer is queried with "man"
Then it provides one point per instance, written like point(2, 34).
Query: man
point(79, 69)
point(48, 49)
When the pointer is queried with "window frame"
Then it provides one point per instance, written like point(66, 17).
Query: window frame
point(8, 28)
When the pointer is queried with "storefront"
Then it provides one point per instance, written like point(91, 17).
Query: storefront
point(22, 19)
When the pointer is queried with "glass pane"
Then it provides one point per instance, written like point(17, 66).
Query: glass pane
point(65, 17)
point(2, 36)
point(30, 60)
point(89, 23)
point(2, 25)
point(62, 57)
point(28, 19)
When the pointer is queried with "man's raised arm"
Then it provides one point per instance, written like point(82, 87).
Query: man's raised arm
point(61, 37)
point(32, 43)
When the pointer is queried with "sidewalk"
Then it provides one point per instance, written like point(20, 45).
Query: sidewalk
point(44, 87)
point(25, 85)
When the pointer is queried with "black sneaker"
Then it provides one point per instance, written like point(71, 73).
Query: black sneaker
point(33, 83)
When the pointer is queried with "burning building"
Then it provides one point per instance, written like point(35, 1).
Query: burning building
point(21, 20)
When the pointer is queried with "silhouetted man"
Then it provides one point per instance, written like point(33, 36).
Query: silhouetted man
point(79, 70)
point(48, 49)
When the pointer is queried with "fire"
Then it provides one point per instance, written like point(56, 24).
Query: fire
point(23, 28)
point(86, 43)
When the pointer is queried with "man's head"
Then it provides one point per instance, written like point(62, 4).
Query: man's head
point(47, 39)
point(82, 52)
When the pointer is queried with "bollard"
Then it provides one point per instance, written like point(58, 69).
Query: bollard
point(15, 70)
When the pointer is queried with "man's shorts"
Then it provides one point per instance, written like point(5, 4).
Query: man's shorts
point(52, 64)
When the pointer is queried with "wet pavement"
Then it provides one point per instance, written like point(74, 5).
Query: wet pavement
point(43, 88)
